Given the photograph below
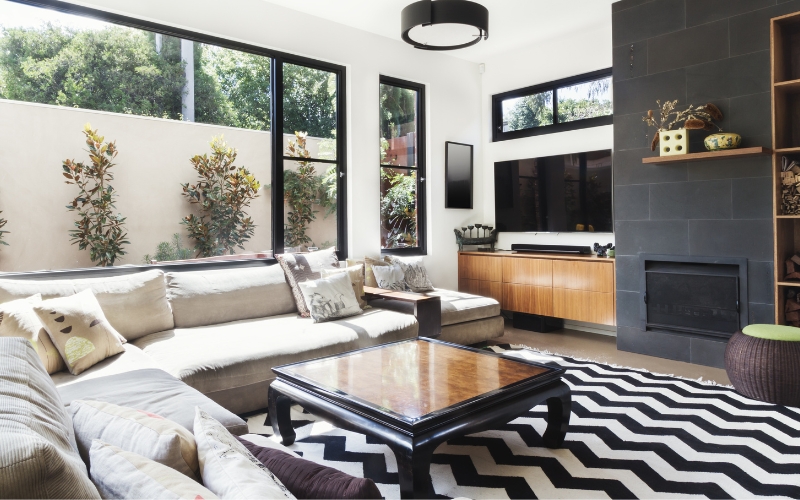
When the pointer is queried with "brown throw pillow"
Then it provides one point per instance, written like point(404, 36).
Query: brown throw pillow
point(307, 479)
point(299, 267)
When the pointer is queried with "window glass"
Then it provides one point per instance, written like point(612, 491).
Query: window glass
point(400, 167)
point(140, 90)
point(398, 126)
point(585, 100)
point(309, 105)
point(528, 112)
point(398, 208)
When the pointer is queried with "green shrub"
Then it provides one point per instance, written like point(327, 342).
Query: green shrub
point(98, 228)
point(169, 250)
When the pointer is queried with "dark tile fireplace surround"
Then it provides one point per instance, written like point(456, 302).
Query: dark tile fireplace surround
point(695, 51)
point(689, 307)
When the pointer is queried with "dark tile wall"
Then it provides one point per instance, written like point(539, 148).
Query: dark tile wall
point(696, 51)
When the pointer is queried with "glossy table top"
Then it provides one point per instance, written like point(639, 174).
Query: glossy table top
point(414, 378)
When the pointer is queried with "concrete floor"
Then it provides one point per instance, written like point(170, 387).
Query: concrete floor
point(603, 349)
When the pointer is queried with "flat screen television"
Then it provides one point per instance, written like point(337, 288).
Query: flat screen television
point(564, 193)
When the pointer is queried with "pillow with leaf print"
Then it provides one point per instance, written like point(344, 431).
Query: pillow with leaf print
point(79, 330)
point(414, 272)
point(390, 277)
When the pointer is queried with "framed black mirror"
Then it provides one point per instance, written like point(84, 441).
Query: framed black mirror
point(457, 175)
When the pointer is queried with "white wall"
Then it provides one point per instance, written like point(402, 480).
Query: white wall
point(453, 103)
point(559, 58)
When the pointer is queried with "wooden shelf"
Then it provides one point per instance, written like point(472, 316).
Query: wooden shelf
point(787, 150)
point(788, 216)
point(788, 87)
point(709, 155)
point(789, 283)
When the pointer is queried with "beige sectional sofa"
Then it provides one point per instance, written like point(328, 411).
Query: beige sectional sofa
point(222, 330)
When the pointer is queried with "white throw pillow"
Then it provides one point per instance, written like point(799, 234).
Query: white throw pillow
point(136, 431)
point(390, 277)
point(228, 469)
point(330, 298)
point(356, 277)
point(17, 319)
point(414, 272)
point(122, 474)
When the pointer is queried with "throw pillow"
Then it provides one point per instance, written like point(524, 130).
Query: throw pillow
point(136, 431)
point(330, 298)
point(356, 277)
point(390, 277)
point(300, 267)
point(307, 479)
point(17, 319)
point(416, 275)
point(228, 469)
point(369, 274)
point(79, 330)
point(122, 474)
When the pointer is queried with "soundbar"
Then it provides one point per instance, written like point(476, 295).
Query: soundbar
point(520, 247)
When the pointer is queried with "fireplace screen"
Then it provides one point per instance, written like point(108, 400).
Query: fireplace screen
point(692, 302)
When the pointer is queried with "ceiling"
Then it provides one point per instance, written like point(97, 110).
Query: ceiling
point(512, 23)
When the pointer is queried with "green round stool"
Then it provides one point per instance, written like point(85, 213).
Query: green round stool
point(763, 362)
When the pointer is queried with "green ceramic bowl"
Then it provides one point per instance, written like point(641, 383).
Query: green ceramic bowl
point(716, 142)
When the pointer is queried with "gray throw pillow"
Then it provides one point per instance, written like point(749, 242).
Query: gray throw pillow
point(414, 272)
point(330, 298)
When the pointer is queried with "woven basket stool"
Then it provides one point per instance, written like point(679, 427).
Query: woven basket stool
point(763, 362)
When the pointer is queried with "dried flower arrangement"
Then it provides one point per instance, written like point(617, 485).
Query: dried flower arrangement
point(693, 118)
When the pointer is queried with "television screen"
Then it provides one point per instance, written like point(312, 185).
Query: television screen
point(562, 193)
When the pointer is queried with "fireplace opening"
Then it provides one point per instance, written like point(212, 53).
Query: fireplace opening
point(694, 295)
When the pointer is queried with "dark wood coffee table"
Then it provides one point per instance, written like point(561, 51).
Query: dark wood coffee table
point(416, 394)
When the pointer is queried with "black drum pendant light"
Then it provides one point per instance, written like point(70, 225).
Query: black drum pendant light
point(444, 24)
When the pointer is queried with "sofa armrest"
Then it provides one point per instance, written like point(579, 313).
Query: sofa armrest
point(427, 310)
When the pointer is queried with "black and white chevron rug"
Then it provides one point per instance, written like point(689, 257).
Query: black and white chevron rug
point(632, 434)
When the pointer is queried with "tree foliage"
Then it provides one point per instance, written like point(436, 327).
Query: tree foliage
point(118, 69)
point(398, 108)
point(221, 195)
point(530, 111)
point(97, 227)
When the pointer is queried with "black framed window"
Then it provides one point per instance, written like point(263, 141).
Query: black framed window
point(182, 76)
point(572, 103)
point(402, 166)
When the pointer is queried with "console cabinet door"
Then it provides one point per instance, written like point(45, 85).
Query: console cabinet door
point(525, 271)
point(527, 299)
point(580, 305)
point(478, 267)
point(590, 276)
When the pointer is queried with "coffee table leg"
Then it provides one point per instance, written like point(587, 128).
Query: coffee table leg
point(280, 416)
point(414, 469)
point(559, 409)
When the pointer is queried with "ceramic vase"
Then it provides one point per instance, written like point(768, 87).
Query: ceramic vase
point(673, 142)
point(717, 142)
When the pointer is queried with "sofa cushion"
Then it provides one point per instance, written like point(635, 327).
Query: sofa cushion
point(155, 391)
point(38, 454)
point(457, 307)
point(221, 357)
point(473, 332)
point(202, 298)
point(307, 479)
point(132, 358)
point(134, 304)
point(79, 330)
point(18, 319)
point(122, 474)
